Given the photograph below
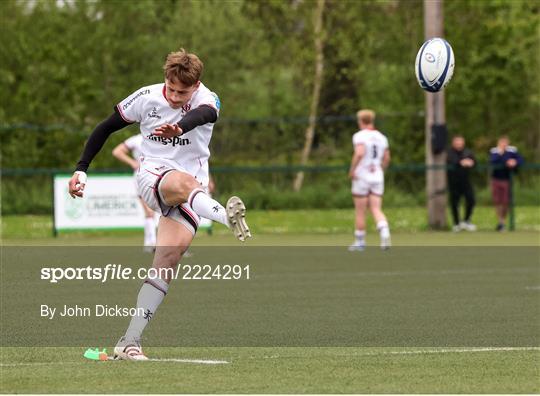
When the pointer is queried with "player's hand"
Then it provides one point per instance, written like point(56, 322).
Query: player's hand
point(77, 184)
point(168, 130)
point(511, 163)
point(352, 175)
point(466, 162)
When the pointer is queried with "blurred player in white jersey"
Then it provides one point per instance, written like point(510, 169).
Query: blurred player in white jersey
point(176, 120)
point(370, 159)
point(204, 223)
point(129, 152)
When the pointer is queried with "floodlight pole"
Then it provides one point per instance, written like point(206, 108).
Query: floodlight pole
point(435, 115)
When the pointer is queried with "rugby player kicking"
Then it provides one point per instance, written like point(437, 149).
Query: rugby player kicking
point(176, 119)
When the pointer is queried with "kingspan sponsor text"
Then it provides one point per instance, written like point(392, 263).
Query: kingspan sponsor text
point(175, 141)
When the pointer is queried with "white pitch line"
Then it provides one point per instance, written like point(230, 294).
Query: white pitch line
point(195, 361)
point(191, 361)
point(430, 351)
point(457, 350)
point(416, 352)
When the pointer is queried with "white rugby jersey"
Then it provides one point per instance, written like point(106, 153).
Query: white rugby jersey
point(149, 107)
point(375, 143)
point(134, 144)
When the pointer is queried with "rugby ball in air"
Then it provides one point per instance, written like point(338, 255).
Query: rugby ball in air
point(434, 64)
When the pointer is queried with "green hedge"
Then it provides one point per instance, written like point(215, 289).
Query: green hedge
point(33, 194)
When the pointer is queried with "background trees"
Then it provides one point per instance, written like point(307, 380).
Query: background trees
point(64, 64)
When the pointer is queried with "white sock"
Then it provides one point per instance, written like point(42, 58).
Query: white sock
point(207, 207)
point(384, 231)
point(149, 231)
point(359, 236)
point(150, 296)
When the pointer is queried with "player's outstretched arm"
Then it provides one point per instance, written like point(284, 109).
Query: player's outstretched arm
point(95, 142)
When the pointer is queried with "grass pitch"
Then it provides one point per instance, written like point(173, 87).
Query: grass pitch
point(508, 367)
point(321, 225)
point(276, 370)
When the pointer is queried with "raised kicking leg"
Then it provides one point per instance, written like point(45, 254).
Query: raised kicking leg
point(360, 206)
point(178, 187)
point(175, 189)
point(173, 239)
point(375, 205)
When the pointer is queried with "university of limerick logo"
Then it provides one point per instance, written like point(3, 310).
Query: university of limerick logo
point(154, 114)
point(74, 208)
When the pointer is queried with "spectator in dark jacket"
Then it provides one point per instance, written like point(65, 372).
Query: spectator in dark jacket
point(460, 161)
point(504, 160)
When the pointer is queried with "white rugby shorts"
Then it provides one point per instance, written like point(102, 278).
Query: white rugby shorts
point(135, 183)
point(363, 188)
point(149, 177)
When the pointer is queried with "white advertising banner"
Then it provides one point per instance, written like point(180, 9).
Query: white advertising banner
point(110, 202)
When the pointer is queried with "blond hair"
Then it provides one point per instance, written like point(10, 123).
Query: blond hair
point(366, 116)
point(183, 67)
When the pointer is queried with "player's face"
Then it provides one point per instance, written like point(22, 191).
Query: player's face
point(503, 143)
point(458, 143)
point(179, 94)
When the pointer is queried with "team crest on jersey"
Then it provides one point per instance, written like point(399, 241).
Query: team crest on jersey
point(186, 108)
point(154, 114)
